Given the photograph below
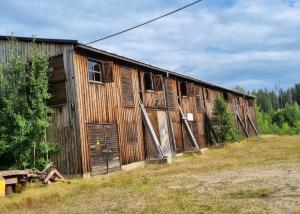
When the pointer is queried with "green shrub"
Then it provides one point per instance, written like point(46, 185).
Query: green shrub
point(284, 121)
point(24, 115)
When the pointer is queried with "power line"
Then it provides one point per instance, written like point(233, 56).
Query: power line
point(147, 22)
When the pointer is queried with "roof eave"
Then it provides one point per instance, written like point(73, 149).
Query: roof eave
point(40, 40)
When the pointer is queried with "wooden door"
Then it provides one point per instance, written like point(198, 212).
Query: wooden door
point(164, 132)
point(104, 148)
point(112, 147)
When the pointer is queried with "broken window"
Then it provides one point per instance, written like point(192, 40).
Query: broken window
point(207, 94)
point(148, 80)
point(95, 71)
point(184, 90)
point(57, 82)
point(225, 96)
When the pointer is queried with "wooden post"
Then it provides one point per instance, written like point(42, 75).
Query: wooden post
point(252, 124)
point(241, 122)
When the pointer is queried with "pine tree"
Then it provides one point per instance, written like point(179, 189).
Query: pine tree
point(223, 123)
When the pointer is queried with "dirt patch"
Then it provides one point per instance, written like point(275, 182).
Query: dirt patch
point(280, 185)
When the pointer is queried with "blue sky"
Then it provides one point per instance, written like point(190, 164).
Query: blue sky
point(254, 43)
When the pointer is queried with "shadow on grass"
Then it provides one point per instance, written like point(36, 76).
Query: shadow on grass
point(253, 193)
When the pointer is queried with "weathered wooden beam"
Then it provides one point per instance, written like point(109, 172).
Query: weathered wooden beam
point(54, 173)
point(252, 124)
point(151, 131)
point(14, 173)
point(10, 181)
point(241, 123)
point(189, 131)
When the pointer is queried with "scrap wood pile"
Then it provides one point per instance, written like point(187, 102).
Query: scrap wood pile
point(14, 180)
point(49, 175)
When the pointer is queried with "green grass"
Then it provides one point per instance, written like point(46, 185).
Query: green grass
point(217, 181)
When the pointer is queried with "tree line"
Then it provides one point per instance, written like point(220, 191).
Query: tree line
point(277, 112)
point(269, 101)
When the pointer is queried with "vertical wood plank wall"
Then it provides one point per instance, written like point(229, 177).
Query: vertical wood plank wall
point(102, 103)
point(176, 118)
point(63, 130)
point(24, 49)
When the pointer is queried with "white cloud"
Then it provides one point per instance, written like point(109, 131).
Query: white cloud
point(224, 43)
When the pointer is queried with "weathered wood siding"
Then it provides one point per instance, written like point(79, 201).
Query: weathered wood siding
point(175, 115)
point(102, 103)
point(195, 104)
point(24, 49)
point(63, 130)
point(86, 103)
point(67, 160)
point(200, 107)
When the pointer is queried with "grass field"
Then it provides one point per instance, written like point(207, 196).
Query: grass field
point(253, 176)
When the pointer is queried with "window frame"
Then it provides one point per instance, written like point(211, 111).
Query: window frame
point(100, 62)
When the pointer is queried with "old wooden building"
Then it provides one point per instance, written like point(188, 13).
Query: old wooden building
point(110, 111)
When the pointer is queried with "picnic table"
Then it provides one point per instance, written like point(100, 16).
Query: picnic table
point(9, 180)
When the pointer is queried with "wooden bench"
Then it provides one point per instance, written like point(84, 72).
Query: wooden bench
point(10, 179)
